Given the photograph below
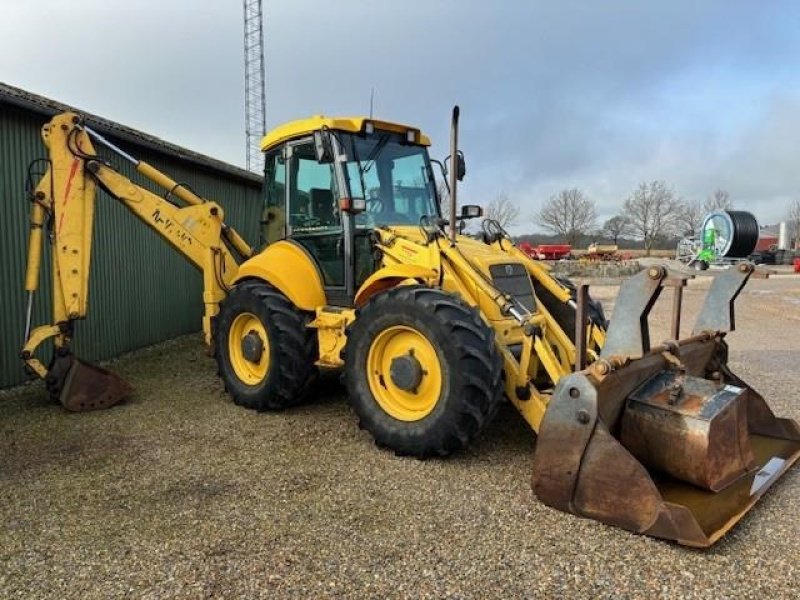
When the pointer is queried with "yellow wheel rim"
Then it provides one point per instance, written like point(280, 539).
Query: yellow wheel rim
point(404, 373)
point(248, 348)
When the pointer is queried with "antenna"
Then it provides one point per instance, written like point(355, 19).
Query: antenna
point(254, 88)
point(371, 100)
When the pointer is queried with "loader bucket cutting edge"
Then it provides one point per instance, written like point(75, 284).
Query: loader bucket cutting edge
point(602, 480)
point(669, 443)
point(89, 387)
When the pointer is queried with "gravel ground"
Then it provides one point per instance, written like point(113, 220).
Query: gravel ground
point(179, 493)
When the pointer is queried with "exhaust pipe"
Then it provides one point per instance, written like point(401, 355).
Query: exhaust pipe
point(453, 172)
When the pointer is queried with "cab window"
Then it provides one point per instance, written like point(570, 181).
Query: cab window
point(273, 219)
point(313, 198)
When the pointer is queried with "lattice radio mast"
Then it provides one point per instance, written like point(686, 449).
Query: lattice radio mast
point(254, 88)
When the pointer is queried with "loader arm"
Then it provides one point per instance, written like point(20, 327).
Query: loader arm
point(64, 202)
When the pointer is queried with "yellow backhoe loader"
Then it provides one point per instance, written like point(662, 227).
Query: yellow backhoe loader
point(432, 328)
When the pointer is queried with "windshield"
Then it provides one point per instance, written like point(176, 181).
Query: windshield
point(395, 179)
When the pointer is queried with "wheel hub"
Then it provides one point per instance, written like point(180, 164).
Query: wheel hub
point(406, 372)
point(252, 347)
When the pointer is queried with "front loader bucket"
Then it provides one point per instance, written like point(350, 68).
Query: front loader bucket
point(664, 441)
point(82, 386)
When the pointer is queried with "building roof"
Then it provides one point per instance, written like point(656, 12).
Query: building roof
point(303, 127)
point(47, 107)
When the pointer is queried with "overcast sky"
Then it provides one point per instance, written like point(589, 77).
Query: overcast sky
point(594, 95)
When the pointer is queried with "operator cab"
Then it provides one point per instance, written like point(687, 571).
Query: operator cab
point(330, 182)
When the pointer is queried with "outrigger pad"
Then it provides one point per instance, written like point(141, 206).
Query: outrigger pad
point(89, 387)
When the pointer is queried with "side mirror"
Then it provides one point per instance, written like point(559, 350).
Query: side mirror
point(471, 211)
point(461, 167)
point(323, 148)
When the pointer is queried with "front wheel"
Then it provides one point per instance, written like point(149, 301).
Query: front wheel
point(265, 352)
point(422, 371)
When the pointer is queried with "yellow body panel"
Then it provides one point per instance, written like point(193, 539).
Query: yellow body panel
point(305, 127)
point(330, 324)
point(289, 268)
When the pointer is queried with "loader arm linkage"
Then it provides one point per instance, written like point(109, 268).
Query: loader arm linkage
point(64, 202)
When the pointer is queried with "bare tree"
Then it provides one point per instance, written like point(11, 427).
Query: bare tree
point(502, 210)
point(690, 218)
point(616, 227)
point(794, 220)
point(653, 210)
point(568, 213)
point(719, 200)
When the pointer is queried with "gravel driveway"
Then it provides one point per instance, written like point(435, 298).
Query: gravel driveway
point(179, 493)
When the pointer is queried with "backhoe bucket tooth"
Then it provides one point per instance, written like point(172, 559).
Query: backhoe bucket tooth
point(663, 441)
point(89, 387)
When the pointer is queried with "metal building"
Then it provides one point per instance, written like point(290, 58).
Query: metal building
point(141, 291)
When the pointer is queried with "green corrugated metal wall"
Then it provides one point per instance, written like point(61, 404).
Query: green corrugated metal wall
point(141, 291)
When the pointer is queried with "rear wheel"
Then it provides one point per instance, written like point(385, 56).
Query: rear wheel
point(265, 351)
point(422, 371)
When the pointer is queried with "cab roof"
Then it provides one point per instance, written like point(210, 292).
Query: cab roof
point(304, 127)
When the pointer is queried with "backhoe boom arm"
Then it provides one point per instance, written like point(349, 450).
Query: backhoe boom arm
point(64, 201)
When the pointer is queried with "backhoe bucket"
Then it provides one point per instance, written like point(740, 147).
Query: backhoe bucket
point(664, 441)
point(82, 386)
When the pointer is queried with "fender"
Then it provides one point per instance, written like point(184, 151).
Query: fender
point(288, 267)
point(389, 277)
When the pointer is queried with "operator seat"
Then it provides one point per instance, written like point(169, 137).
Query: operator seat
point(322, 206)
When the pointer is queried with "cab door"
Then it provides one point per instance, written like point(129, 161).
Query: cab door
point(314, 219)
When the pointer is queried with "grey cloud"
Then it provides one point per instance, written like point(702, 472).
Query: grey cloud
point(598, 95)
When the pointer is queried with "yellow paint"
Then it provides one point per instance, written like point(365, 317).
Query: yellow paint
point(38, 335)
point(286, 266)
point(397, 342)
point(68, 192)
point(305, 127)
point(250, 372)
point(533, 409)
point(330, 324)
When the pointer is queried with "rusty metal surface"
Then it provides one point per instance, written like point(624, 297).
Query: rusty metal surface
point(89, 387)
point(562, 439)
point(664, 441)
point(581, 468)
point(629, 334)
point(716, 512)
point(717, 313)
point(690, 428)
point(615, 386)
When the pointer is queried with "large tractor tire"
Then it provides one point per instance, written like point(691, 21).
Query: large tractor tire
point(422, 371)
point(265, 352)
